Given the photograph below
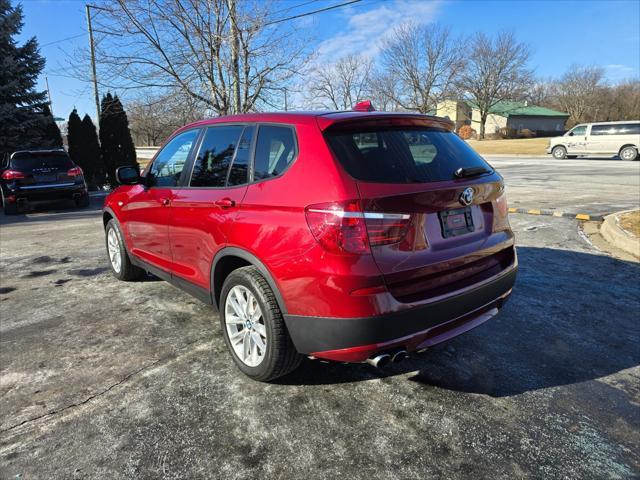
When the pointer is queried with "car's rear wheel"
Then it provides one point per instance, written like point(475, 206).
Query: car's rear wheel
point(253, 327)
point(559, 153)
point(119, 261)
point(629, 153)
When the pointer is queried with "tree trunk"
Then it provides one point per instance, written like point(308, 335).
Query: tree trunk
point(483, 122)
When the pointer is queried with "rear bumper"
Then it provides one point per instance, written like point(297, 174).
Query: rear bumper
point(356, 339)
point(48, 193)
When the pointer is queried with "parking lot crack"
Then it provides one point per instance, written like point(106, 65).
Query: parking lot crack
point(91, 397)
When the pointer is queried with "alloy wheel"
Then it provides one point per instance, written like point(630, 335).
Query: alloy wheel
point(245, 326)
point(113, 245)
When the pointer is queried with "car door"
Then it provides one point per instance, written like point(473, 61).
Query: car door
point(602, 139)
point(577, 142)
point(203, 212)
point(146, 212)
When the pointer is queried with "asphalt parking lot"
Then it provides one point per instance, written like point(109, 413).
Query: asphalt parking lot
point(104, 379)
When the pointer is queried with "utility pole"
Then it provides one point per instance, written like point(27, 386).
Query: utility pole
point(235, 47)
point(93, 65)
point(46, 81)
point(286, 106)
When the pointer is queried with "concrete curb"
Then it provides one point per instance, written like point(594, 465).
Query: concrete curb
point(618, 237)
point(555, 213)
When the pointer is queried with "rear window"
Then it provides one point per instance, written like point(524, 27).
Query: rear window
point(31, 161)
point(403, 155)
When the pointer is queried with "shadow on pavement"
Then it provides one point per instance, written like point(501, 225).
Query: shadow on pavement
point(62, 210)
point(573, 317)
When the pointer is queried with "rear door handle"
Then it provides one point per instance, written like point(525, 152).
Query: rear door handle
point(225, 203)
point(165, 202)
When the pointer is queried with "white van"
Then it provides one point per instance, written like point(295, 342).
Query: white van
point(603, 138)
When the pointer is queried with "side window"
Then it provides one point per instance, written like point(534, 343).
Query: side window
point(629, 129)
point(168, 165)
point(275, 149)
point(602, 130)
point(213, 160)
point(238, 174)
point(580, 131)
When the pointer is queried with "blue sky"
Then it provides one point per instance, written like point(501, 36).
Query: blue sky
point(604, 33)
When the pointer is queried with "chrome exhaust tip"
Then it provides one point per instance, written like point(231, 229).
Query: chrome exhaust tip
point(379, 361)
point(399, 356)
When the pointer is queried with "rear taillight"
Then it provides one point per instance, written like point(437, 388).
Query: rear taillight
point(501, 204)
point(339, 226)
point(12, 175)
point(501, 209)
point(74, 172)
point(385, 228)
point(343, 228)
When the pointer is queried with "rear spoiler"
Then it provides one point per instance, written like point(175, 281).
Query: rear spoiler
point(382, 119)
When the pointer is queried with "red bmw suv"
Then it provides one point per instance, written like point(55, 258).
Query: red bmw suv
point(348, 236)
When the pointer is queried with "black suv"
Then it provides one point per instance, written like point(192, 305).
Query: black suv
point(29, 176)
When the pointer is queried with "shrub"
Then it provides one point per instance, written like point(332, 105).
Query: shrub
point(526, 133)
point(466, 132)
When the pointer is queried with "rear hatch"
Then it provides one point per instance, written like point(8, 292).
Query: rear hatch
point(435, 211)
point(44, 169)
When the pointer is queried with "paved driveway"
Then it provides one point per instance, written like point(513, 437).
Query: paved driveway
point(104, 379)
point(587, 185)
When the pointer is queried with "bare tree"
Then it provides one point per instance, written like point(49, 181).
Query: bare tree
point(577, 91)
point(619, 102)
point(496, 71)
point(218, 52)
point(340, 85)
point(424, 62)
point(152, 118)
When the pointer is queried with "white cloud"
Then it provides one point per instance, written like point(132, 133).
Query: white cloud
point(365, 32)
point(616, 71)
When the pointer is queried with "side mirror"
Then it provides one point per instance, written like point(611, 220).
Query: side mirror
point(127, 175)
point(571, 134)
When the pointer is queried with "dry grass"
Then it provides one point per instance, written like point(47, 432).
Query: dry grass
point(631, 222)
point(519, 146)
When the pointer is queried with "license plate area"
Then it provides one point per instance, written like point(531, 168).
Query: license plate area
point(456, 222)
point(45, 178)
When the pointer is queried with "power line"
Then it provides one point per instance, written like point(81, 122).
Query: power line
point(294, 7)
point(62, 40)
point(311, 13)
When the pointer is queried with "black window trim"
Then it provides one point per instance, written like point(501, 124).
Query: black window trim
point(188, 162)
point(296, 154)
point(192, 164)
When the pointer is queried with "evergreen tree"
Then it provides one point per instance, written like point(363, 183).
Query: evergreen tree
point(76, 140)
point(20, 104)
point(51, 132)
point(95, 172)
point(127, 147)
point(108, 140)
point(115, 138)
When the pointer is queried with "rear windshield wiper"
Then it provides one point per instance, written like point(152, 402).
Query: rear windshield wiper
point(470, 172)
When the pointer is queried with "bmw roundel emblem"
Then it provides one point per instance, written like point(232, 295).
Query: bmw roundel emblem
point(466, 197)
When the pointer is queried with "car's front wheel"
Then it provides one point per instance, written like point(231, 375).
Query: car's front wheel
point(253, 327)
point(121, 265)
point(628, 153)
point(559, 153)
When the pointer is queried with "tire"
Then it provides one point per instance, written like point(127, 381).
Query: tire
point(125, 270)
point(559, 152)
point(10, 209)
point(83, 202)
point(279, 356)
point(629, 153)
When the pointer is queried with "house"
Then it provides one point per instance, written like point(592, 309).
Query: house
point(506, 115)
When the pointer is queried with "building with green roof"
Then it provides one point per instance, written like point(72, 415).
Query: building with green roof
point(512, 117)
